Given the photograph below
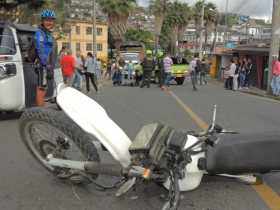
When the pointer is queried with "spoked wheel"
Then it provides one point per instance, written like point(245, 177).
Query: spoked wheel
point(47, 132)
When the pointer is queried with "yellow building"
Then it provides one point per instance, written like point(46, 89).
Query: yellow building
point(81, 39)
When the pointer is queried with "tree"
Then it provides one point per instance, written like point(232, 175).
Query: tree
point(210, 18)
point(138, 35)
point(118, 12)
point(159, 9)
point(175, 23)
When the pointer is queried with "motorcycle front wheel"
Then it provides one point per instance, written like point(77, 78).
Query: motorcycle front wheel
point(47, 131)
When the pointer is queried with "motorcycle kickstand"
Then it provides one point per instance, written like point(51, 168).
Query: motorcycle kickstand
point(247, 179)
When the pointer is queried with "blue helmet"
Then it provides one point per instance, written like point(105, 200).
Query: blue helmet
point(47, 13)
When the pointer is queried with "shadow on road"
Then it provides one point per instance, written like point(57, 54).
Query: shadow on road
point(9, 115)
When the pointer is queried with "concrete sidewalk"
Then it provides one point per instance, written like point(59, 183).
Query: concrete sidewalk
point(252, 91)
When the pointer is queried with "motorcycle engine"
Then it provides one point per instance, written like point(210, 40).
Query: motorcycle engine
point(157, 146)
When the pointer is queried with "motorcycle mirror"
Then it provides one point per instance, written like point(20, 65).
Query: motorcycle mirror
point(212, 127)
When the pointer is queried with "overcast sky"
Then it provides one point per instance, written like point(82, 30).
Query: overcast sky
point(255, 8)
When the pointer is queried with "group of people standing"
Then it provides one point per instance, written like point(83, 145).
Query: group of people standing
point(143, 71)
point(74, 68)
point(239, 74)
point(198, 71)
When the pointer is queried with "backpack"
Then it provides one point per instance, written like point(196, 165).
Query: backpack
point(198, 66)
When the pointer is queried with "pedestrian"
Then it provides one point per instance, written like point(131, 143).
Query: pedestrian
point(90, 73)
point(160, 67)
point(44, 52)
point(98, 72)
point(249, 73)
point(235, 78)
point(148, 67)
point(230, 75)
point(61, 53)
point(68, 67)
point(242, 74)
point(193, 71)
point(117, 74)
point(138, 74)
point(130, 70)
point(167, 65)
point(203, 72)
point(108, 73)
point(275, 83)
point(79, 68)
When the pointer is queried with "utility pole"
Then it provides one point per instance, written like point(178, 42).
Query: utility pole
point(201, 30)
point(94, 31)
point(275, 41)
point(226, 23)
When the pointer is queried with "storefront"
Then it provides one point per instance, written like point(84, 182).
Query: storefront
point(259, 57)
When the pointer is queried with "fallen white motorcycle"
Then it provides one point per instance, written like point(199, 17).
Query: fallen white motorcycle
point(64, 142)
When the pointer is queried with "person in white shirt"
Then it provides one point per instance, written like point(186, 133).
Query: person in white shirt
point(193, 71)
point(231, 72)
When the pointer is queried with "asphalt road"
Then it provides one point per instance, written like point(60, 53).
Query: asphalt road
point(25, 185)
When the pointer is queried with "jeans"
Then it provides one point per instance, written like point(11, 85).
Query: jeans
point(242, 77)
point(228, 83)
point(247, 80)
point(146, 79)
point(202, 78)
point(77, 81)
point(275, 85)
point(92, 77)
point(167, 78)
point(194, 79)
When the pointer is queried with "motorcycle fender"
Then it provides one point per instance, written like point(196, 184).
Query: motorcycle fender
point(93, 119)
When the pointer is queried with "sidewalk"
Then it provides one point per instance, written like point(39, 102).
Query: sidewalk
point(259, 92)
point(252, 91)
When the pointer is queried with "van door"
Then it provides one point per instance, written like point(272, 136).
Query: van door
point(12, 94)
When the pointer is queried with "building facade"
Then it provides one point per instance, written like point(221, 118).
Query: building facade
point(81, 38)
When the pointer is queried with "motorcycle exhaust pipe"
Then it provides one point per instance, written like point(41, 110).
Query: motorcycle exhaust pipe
point(89, 167)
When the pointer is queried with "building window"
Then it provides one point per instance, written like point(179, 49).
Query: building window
point(78, 29)
point(99, 31)
point(78, 47)
point(89, 47)
point(66, 44)
point(99, 47)
point(89, 30)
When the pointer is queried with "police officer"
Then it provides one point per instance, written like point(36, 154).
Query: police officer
point(45, 50)
point(160, 68)
point(148, 67)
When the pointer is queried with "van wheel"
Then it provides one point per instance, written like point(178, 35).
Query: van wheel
point(180, 80)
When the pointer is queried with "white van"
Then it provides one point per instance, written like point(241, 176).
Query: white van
point(18, 80)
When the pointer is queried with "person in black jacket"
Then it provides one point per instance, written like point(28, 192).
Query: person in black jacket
point(148, 67)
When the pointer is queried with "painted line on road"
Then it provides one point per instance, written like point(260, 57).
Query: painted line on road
point(267, 194)
point(201, 123)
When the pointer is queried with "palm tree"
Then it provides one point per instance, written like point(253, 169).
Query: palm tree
point(177, 19)
point(210, 18)
point(118, 12)
point(159, 9)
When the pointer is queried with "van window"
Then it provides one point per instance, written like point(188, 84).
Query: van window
point(7, 43)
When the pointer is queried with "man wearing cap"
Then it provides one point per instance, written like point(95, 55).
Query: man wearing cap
point(148, 67)
point(45, 51)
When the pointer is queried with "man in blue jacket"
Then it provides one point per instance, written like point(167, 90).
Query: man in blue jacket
point(45, 50)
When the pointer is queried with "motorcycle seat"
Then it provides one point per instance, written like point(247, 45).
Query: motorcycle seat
point(244, 153)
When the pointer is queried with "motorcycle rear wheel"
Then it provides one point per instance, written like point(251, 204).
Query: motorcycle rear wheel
point(40, 128)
